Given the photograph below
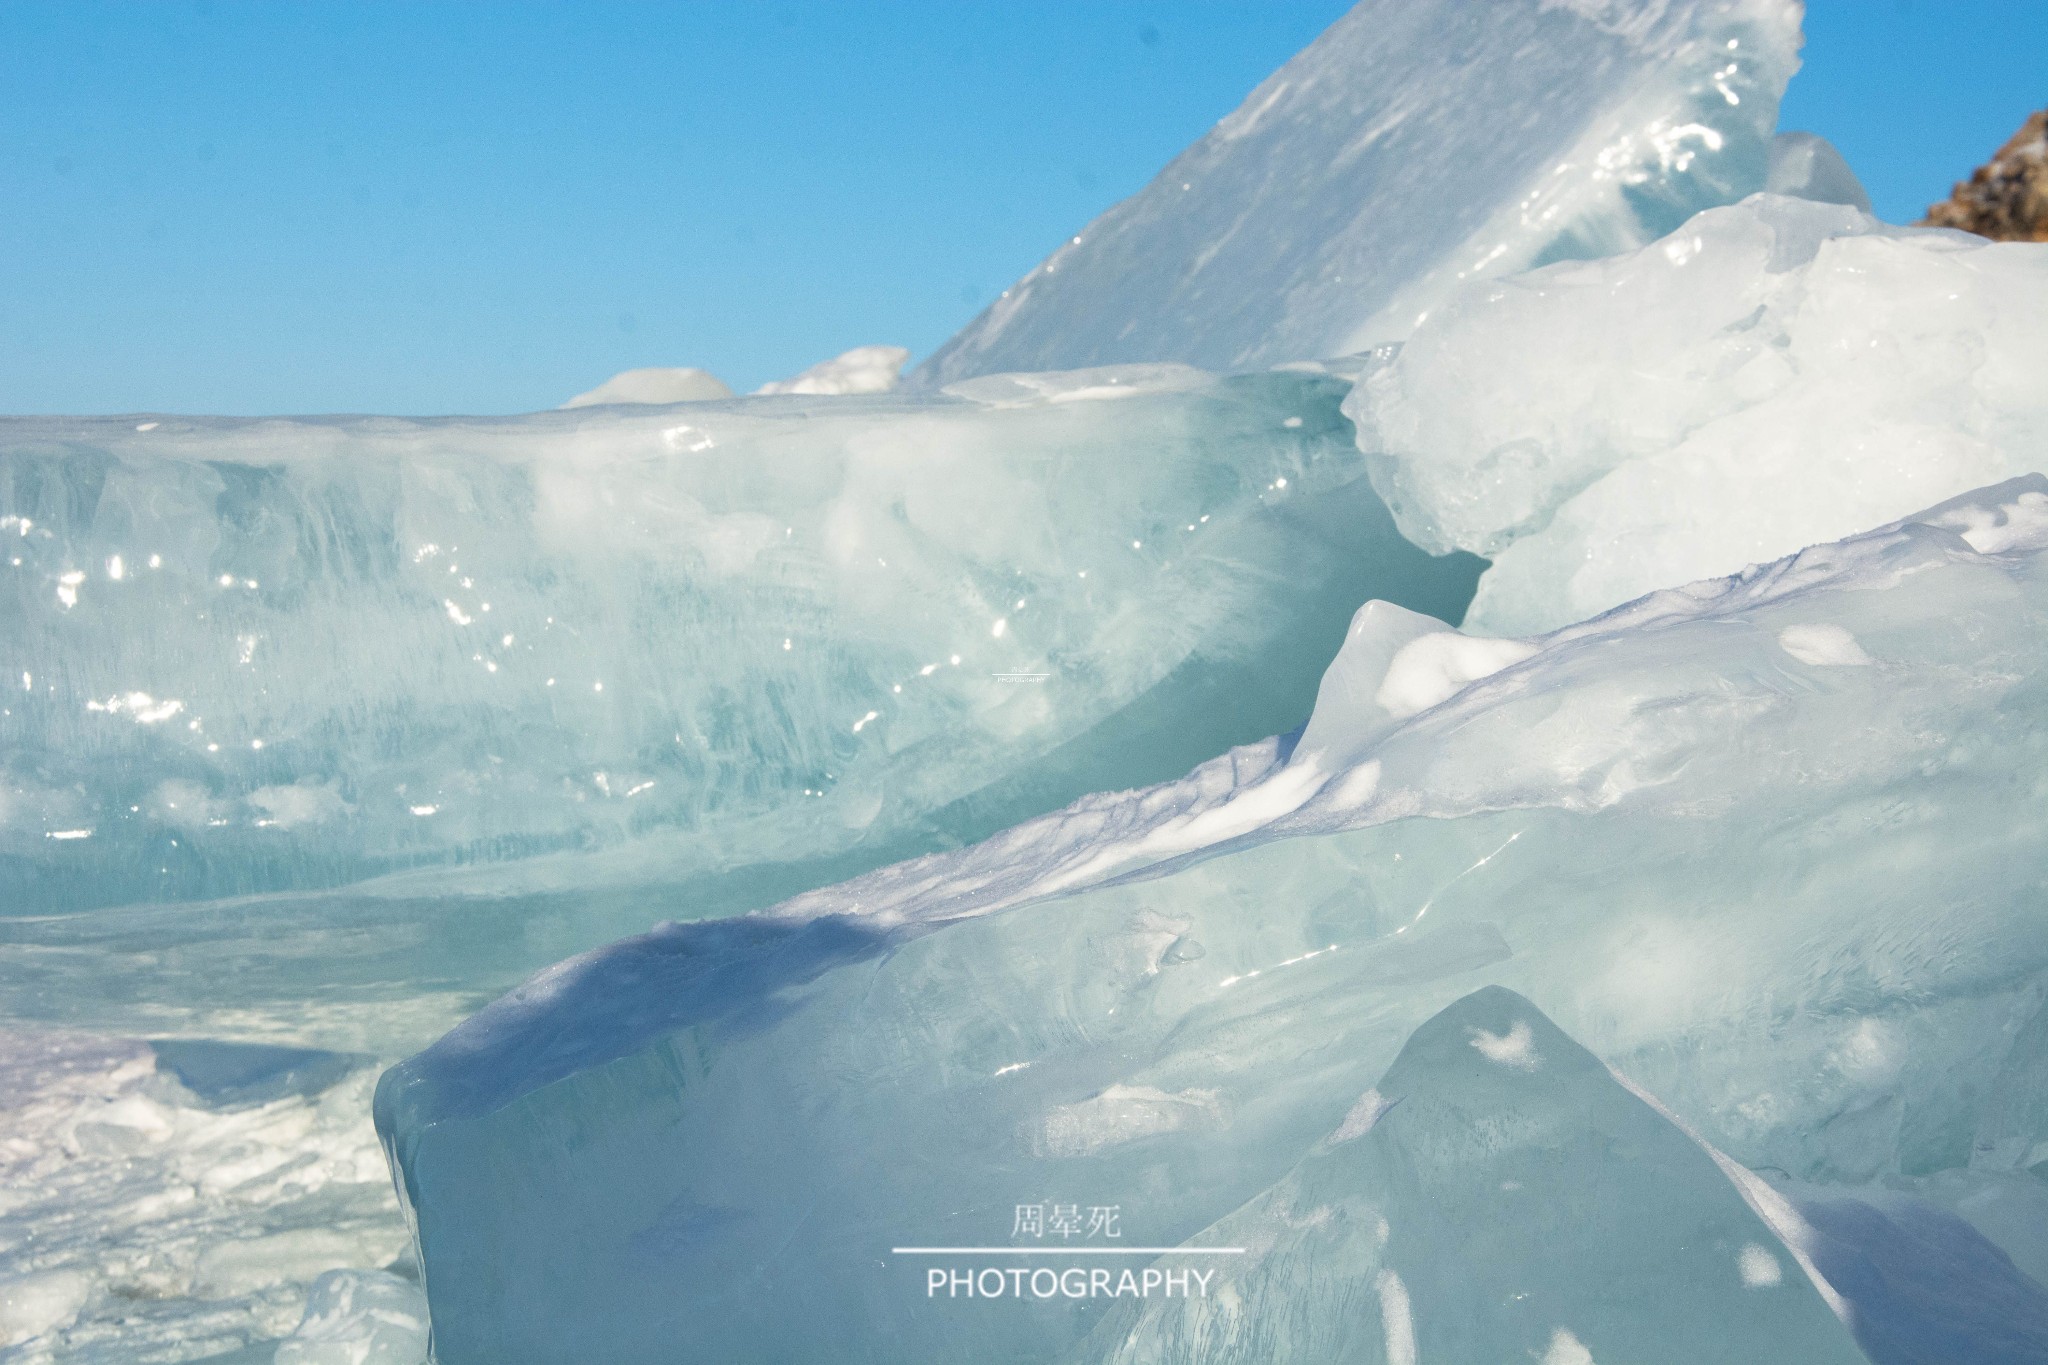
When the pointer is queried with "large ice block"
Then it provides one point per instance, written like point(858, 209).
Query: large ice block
point(1414, 145)
point(1770, 845)
point(1774, 374)
point(504, 668)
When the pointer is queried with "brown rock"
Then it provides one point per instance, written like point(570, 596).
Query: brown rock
point(2007, 199)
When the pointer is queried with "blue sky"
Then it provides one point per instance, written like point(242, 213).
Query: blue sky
point(441, 207)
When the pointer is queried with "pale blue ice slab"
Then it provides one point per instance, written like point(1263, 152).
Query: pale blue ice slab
point(1770, 845)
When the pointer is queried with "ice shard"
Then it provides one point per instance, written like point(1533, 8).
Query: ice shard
point(307, 712)
point(1497, 1195)
point(1768, 845)
point(1412, 146)
point(1774, 374)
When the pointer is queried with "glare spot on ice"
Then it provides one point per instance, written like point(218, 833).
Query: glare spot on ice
point(1760, 1269)
point(1517, 1048)
point(145, 709)
point(68, 834)
point(424, 810)
point(456, 614)
point(862, 723)
point(1002, 624)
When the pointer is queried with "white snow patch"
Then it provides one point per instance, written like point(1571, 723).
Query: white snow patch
point(1370, 1108)
point(1515, 1048)
point(1434, 668)
point(1823, 646)
point(1759, 1269)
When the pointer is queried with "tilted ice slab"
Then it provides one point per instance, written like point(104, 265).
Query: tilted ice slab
point(1771, 845)
point(1499, 1195)
point(1772, 375)
point(731, 649)
point(1415, 144)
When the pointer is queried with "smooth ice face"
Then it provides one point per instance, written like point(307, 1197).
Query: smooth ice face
point(1498, 1196)
point(1774, 374)
point(1414, 145)
point(1796, 899)
point(733, 650)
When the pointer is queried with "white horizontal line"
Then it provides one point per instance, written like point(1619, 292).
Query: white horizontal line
point(1066, 1251)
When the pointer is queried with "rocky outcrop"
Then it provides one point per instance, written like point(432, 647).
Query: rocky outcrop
point(2007, 199)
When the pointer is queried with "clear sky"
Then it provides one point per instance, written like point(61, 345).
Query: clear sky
point(353, 205)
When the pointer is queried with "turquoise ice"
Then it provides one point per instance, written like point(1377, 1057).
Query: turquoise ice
point(1498, 1195)
point(325, 730)
point(1768, 845)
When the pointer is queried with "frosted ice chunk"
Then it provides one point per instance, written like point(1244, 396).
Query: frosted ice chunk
point(682, 385)
point(1394, 663)
point(1774, 374)
point(359, 1317)
point(1412, 146)
point(1530, 1211)
point(1807, 166)
point(1797, 904)
point(454, 694)
point(864, 369)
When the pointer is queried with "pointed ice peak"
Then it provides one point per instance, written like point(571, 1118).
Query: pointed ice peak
point(1415, 144)
point(1499, 1195)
